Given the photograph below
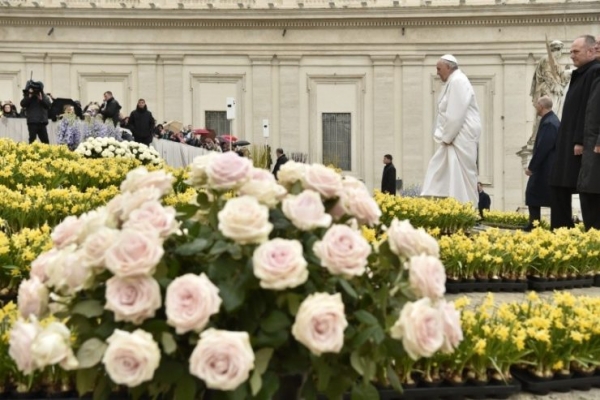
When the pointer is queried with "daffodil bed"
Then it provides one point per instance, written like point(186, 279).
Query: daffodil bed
point(544, 339)
point(509, 219)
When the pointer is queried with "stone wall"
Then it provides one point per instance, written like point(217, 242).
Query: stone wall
point(291, 61)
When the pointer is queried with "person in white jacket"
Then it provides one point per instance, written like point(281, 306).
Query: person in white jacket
point(452, 171)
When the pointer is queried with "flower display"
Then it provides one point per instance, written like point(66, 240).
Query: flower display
point(232, 291)
point(109, 147)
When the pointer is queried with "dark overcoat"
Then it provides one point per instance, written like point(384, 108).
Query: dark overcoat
point(589, 175)
point(537, 193)
point(565, 171)
point(388, 179)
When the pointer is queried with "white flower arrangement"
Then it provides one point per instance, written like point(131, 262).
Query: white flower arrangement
point(110, 148)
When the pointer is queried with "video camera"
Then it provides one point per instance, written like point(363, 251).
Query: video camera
point(35, 86)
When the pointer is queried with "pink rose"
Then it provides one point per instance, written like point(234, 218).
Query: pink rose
point(358, 203)
point(133, 299)
point(53, 346)
point(323, 180)
point(190, 301)
point(140, 178)
point(222, 359)
point(320, 323)
point(343, 251)
point(67, 232)
point(131, 357)
point(421, 329)
point(453, 333)
point(228, 171)
point(33, 298)
point(134, 253)
point(95, 246)
point(263, 187)
point(407, 241)
point(427, 276)
point(151, 215)
point(22, 336)
point(306, 211)
point(245, 220)
point(39, 266)
point(122, 205)
point(279, 264)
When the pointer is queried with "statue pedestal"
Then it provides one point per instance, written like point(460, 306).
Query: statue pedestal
point(525, 153)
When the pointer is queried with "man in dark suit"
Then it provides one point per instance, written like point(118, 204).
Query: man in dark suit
point(569, 142)
point(485, 202)
point(388, 180)
point(110, 108)
point(537, 194)
point(281, 159)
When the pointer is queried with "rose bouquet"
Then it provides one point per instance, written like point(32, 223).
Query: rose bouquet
point(255, 288)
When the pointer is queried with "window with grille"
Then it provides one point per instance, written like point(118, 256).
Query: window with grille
point(337, 140)
point(217, 120)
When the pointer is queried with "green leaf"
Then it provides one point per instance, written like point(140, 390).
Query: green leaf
point(219, 248)
point(270, 385)
point(275, 339)
point(80, 324)
point(161, 271)
point(232, 295)
point(255, 383)
point(323, 375)
point(357, 363)
point(196, 246)
point(85, 380)
point(186, 388)
point(168, 343)
point(90, 353)
point(393, 378)
point(102, 390)
point(364, 391)
point(348, 288)
point(275, 321)
point(170, 372)
point(366, 317)
point(293, 300)
point(364, 335)
point(88, 308)
point(155, 326)
point(261, 360)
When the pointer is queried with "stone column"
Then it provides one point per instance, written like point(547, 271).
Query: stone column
point(261, 96)
point(288, 136)
point(60, 76)
point(416, 149)
point(515, 110)
point(173, 87)
point(382, 139)
point(147, 79)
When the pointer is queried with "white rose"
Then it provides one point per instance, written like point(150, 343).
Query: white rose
point(264, 188)
point(69, 273)
point(140, 178)
point(323, 180)
point(407, 241)
point(279, 264)
point(135, 253)
point(133, 299)
point(453, 333)
point(95, 246)
point(21, 338)
point(343, 251)
point(32, 298)
point(39, 266)
point(320, 323)
point(222, 359)
point(131, 358)
point(67, 232)
point(427, 276)
point(306, 211)
point(245, 220)
point(190, 301)
point(53, 346)
point(358, 203)
point(198, 176)
point(120, 206)
point(228, 171)
point(290, 173)
point(421, 329)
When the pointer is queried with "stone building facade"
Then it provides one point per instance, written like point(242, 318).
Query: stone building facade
point(342, 80)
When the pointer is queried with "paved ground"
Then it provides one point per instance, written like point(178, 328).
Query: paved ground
point(501, 297)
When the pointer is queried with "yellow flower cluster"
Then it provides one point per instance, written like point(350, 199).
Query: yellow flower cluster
point(552, 335)
point(515, 254)
point(508, 219)
point(17, 251)
point(447, 215)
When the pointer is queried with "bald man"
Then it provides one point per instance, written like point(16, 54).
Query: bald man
point(452, 171)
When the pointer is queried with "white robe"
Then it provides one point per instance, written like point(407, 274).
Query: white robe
point(452, 171)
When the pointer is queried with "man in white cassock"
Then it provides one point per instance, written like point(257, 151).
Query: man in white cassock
point(452, 171)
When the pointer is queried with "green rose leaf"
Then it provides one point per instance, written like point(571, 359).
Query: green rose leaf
point(357, 363)
point(89, 308)
point(366, 317)
point(348, 288)
point(270, 384)
point(168, 343)
point(275, 321)
point(255, 383)
point(364, 391)
point(85, 380)
point(90, 353)
point(261, 360)
point(185, 388)
point(194, 247)
point(393, 378)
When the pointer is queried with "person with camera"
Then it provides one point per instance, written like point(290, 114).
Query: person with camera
point(110, 109)
point(36, 105)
